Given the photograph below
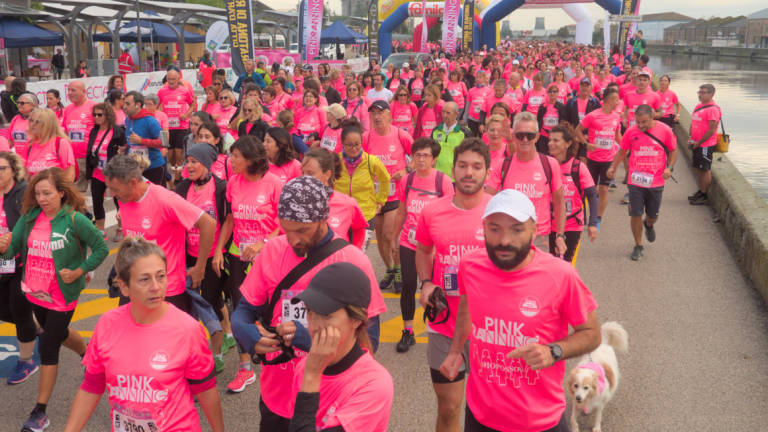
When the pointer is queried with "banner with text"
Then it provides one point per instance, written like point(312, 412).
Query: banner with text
point(626, 29)
point(468, 25)
point(240, 33)
point(450, 20)
point(314, 27)
point(373, 31)
point(424, 28)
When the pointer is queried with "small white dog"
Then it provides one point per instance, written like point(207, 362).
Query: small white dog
point(595, 379)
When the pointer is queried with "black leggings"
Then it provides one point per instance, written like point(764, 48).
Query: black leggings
point(98, 189)
point(211, 288)
point(237, 272)
point(408, 270)
point(156, 175)
point(571, 241)
point(15, 308)
point(55, 325)
point(270, 421)
point(472, 425)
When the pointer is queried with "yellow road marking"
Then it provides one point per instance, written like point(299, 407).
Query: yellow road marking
point(392, 329)
point(83, 311)
point(94, 291)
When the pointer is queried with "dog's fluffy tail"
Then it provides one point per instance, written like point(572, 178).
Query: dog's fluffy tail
point(615, 336)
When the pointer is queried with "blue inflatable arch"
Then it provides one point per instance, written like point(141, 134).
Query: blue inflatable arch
point(499, 9)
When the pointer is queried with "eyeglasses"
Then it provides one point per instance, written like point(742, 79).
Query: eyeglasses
point(422, 155)
point(351, 146)
point(217, 83)
point(23, 103)
point(224, 98)
point(98, 114)
point(529, 136)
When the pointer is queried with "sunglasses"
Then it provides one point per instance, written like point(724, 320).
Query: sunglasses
point(530, 136)
point(224, 98)
point(217, 83)
point(98, 114)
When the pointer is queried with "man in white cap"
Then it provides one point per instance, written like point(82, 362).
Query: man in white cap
point(519, 301)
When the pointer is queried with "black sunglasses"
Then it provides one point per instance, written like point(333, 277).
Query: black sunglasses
point(437, 298)
point(530, 136)
point(98, 114)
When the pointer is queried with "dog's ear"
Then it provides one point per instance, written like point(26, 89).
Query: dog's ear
point(570, 381)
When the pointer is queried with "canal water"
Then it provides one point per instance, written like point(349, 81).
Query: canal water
point(742, 93)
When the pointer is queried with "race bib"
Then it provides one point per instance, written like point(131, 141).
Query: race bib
point(450, 281)
point(568, 206)
point(8, 266)
point(76, 136)
point(535, 100)
point(581, 117)
point(293, 312)
point(174, 122)
point(328, 144)
point(417, 92)
point(392, 188)
point(42, 296)
point(642, 179)
point(632, 122)
point(476, 109)
point(102, 163)
point(550, 121)
point(136, 421)
point(139, 150)
point(412, 237)
point(604, 143)
point(19, 136)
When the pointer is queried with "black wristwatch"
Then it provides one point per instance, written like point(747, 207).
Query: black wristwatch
point(423, 281)
point(557, 352)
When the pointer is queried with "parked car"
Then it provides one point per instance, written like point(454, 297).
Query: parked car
point(399, 58)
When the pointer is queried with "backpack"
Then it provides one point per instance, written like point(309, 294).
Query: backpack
point(544, 164)
point(576, 177)
point(438, 185)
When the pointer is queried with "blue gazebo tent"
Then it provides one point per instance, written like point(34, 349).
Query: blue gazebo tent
point(20, 34)
point(160, 33)
point(339, 33)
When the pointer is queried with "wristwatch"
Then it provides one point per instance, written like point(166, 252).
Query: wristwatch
point(561, 235)
point(423, 281)
point(557, 352)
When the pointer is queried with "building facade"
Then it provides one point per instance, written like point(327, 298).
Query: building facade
point(757, 30)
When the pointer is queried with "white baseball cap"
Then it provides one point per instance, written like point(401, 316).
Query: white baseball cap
point(512, 203)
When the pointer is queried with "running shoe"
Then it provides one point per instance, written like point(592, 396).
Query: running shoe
point(599, 221)
point(218, 364)
point(650, 233)
point(398, 286)
point(698, 194)
point(241, 381)
point(406, 341)
point(387, 280)
point(637, 253)
point(118, 235)
point(625, 199)
point(228, 344)
point(612, 185)
point(37, 422)
point(23, 370)
point(701, 200)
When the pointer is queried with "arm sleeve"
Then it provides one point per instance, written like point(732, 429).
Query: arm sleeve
point(591, 194)
point(301, 339)
point(243, 328)
point(304, 412)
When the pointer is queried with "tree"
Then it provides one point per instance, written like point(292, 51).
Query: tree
point(563, 32)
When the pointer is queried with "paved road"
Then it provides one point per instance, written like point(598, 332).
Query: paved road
point(698, 336)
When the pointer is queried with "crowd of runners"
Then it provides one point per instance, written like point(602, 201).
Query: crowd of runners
point(475, 173)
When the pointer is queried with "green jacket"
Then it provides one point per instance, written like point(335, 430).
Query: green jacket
point(265, 75)
point(448, 142)
point(66, 253)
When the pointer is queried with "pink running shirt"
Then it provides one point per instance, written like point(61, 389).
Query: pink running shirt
point(287, 171)
point(574, 208)
point(534, 98)
point(668, 102)
point(345, 215)
point(648, 158)
point(254, 207)
point(632, 100)
point(602, 132)
point(700, 122)
point(40, 157)
point(534, 304)
point(404, 115)
point(416, 199)
point(78, 121)
point(477, 96)
point(18, 136)
point(98, 172)
point(453, 232)
point(391, 150)
point(148, 369)
point(205, 200)
point(40, 283)
point(175, 102)
point(163, 217)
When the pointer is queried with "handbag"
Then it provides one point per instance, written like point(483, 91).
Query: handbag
point(723, 140)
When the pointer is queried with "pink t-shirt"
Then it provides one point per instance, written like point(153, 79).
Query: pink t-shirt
point(223, 116)
point(222, 167)
point(648, 158)
point(287, 171)
point(205, 200)
point(534, 98)
point(632, 100)
point(429, 120)
point(78, 121)
point(161, 118)
point(563, 90)
point(98, 172)
point(18, 135)
point(700, 122)
point(421, 193)
point(148, 369)
point(344, 215)
point(164, 217)
point(269, 268)
point(602, 132)
point(4, 145)
point(551, 118)
point(404, 115)
point(40, 283)
point(529, 178)
point(477, 96)
point(391, 150)
point(358, 109)
point(46, 155)
point(668, 102)
point(331, 139)
point(254, 207)
point(517, 95)
point(211, 108)
point(509, 310)
point(574, 211)
point(308, 121)
point(357, 399)
point(458, 91)
point(492, 100)
point(417, 89)
point(120, 117)
point(175, 102)
point(453, 232)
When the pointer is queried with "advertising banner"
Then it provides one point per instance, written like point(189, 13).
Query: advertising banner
point(240, 33)
point(450, 20)
point(373, 31)
point(424, 28)
point(469, 20)
point(314, 27)
point(626, 29)
point(215, 36)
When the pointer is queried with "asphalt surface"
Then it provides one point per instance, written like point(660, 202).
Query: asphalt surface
point(697, 335)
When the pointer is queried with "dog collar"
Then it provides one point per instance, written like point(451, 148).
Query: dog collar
point(598, 368)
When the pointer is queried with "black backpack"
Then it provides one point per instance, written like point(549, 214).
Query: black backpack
point(438, 185)
point(544, 164)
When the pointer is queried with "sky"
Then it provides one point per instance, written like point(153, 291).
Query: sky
point(555, 18)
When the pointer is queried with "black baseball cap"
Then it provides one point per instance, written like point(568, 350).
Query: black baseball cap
point(307, 67)
point(380, 104)
point(585, 81)
point(334, 287)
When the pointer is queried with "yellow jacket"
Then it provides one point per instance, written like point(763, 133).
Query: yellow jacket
point(364, 184)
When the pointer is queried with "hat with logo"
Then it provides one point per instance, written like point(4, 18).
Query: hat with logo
point(303, 199)
point(334, 287)
point(585, 81)
point(307, 67)
point(336, 110)
point(511, 203)
point(380, 104)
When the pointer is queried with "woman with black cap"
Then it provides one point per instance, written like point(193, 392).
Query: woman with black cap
point(339, 386)
point(208, 192)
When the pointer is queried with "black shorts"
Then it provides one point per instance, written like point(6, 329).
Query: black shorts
point(702, 158)
point(389, 206)
point(582, 153)
point(648, 199)
point(599, 171)
point(176, 138)
point(472, 425)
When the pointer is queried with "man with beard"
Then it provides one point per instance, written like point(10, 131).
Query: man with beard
point(303, 213)
point(450, 227)
point(518, 301)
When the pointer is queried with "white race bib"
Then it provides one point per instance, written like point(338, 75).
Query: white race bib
point(550, 121)
point(642, 179)
point(76, 136)
point(8, 266)
point(139, 150)
point(293, 312)
point(174, 122)
point(133, 422)
point(328, 144)
point(392, 188)
point(102, 163)
point(604, 143)
point(412, 237)
point(535, 100)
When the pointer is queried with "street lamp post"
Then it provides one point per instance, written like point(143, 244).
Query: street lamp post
point(139, 46)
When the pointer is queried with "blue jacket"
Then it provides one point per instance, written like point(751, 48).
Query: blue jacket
point(148, 127)
point(257, 78)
